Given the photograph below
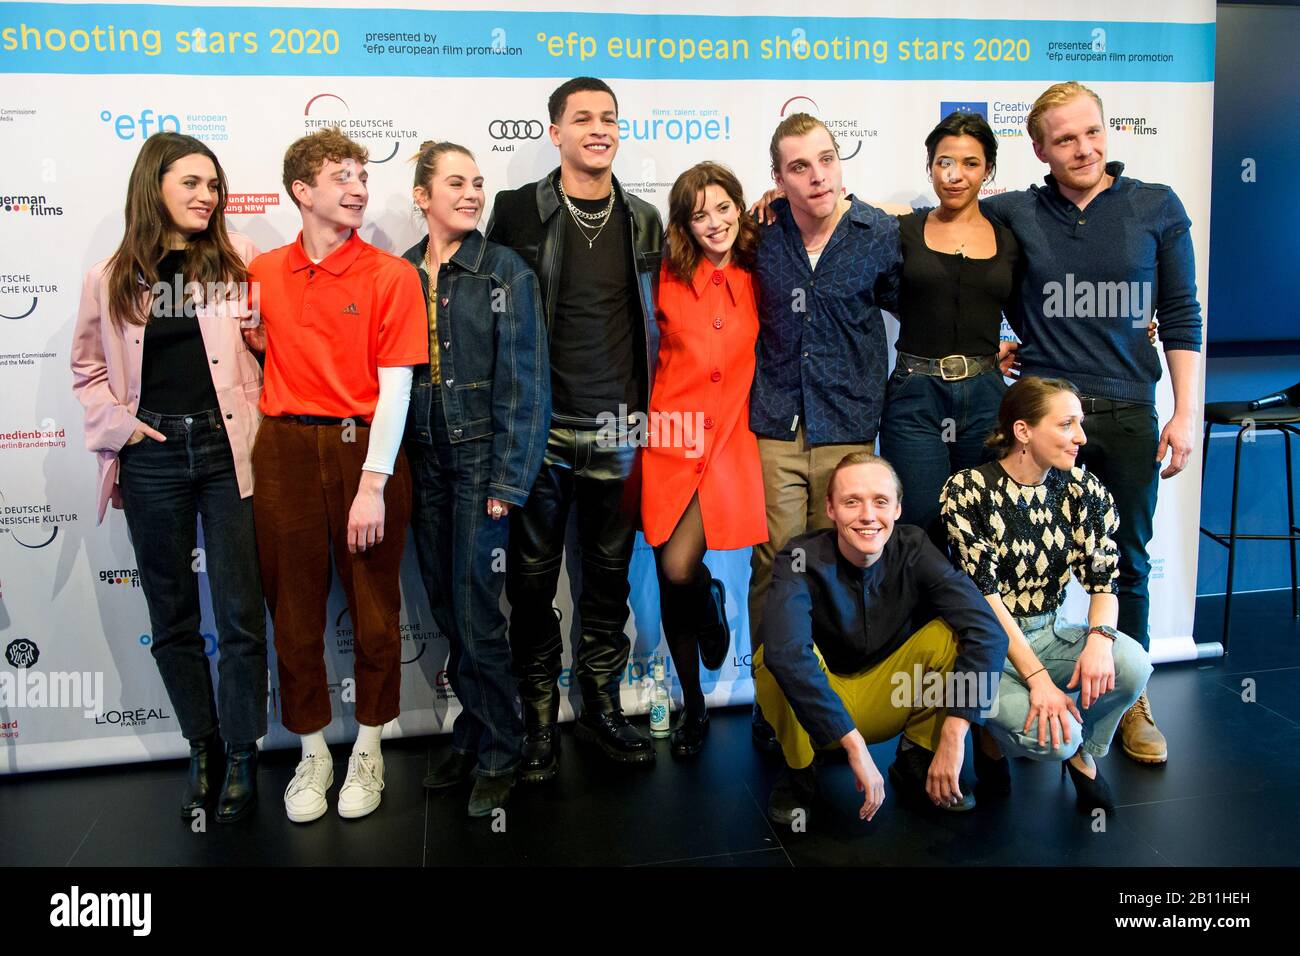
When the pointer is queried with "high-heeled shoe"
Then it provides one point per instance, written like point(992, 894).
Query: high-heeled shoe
point(688, 739)
point(1091, 792)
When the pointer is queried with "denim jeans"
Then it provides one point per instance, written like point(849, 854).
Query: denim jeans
point(462, 551)
point(583, 470)
point(1121, 451)
point(1058, 645)
point(932, 429)
point(165, 486)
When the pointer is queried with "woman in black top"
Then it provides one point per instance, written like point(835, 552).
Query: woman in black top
point(959, 275)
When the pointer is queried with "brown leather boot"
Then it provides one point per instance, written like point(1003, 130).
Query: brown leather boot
point(1139, 736)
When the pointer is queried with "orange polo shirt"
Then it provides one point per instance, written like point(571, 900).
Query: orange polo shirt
point(330, 326)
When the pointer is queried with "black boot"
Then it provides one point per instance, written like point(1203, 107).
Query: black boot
point(1090, 794)
point(617, 738)
point(239, 792)
point(688, 739)
point(792, 796)
point(540, 760)
point(715, 637)
point(908, 774)
point(204, 775)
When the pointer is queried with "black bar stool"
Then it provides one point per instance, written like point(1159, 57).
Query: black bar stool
point(1251, 419)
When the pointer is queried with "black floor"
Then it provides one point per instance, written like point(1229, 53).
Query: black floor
point(1228, 796)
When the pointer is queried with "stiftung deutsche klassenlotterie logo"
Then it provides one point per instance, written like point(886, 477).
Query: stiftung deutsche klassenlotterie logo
point(329, 109)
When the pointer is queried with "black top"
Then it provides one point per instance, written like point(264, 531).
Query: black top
point(592, 338)
point(858, 617)
point(174, 378)
point(950, 304)
point(1022, 542)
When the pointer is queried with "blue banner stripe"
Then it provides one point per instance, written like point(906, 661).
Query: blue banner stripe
point(262, 41)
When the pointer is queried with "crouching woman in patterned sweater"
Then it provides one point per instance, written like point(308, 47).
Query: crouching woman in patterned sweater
point(1021, 524)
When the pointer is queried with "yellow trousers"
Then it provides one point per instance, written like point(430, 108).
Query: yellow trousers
point(872, 697)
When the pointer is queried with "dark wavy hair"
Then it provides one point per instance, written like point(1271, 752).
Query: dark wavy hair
point(961, 123)
point(685, 200)
point(209, 257)
point(1025, 401)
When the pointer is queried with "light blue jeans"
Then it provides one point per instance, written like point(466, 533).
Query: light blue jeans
point(1058, 645)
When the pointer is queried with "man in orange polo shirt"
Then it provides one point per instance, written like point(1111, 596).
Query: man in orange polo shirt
point(344, 322)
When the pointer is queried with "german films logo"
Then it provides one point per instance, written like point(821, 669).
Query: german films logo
point(32, 204)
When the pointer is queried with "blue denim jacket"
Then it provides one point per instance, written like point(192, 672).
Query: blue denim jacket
point(496, 379)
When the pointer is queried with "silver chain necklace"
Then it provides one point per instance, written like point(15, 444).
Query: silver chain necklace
point(603, 217)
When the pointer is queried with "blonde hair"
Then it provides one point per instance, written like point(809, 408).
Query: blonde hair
point(1058, 94)
point(796, 124)
point(861, 458)
point(426, 160)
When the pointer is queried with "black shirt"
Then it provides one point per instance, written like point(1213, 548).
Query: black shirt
point(858, 617)
point(174, 378)
point(950, 304)
point(592, 341)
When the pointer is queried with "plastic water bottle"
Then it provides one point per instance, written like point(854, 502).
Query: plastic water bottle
point(661, 703)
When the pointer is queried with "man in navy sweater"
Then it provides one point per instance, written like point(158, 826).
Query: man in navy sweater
point(1105, 252)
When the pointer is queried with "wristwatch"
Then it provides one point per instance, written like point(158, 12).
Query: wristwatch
point(1105, 630)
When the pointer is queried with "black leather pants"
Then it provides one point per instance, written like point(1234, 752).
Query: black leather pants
point(597, 478)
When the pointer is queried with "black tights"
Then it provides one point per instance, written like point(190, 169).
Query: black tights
point(685, 600)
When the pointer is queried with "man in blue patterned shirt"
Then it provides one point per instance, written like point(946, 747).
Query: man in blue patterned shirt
point(825, 268)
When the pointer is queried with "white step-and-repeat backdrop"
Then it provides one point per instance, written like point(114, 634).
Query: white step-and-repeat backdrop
point(85, 84)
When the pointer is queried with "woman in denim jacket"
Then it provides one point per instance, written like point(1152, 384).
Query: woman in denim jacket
point(476, 432)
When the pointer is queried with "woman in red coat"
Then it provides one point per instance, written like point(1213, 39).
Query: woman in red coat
point(703, 484)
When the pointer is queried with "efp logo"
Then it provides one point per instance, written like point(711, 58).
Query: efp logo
point(22, 653)
point(843, 130)
point(129, 127)
point(364, 129)
point(947, 107)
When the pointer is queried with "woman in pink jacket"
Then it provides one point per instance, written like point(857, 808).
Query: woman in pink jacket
point(170, 391)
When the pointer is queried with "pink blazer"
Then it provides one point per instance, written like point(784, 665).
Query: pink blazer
point(106, 368)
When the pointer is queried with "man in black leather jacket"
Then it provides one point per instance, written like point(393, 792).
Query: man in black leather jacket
point(596, 251)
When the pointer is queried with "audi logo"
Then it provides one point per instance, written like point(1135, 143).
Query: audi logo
point(515, 129)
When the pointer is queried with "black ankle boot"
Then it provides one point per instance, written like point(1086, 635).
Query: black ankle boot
point(204, 775)
point(239, 792)
point(761, 733)
point(617, 739)
point(714, 638)
point(1090, 793)
point(540, 760)
point(688, 739)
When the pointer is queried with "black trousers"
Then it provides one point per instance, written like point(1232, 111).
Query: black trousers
point(1121, 452)
point(583, 471)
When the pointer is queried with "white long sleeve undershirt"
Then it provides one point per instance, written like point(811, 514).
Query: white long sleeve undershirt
point(389, 422)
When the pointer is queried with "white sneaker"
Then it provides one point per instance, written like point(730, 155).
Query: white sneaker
point(304, 798)
point(359, 794)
